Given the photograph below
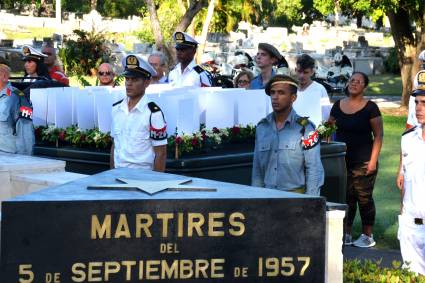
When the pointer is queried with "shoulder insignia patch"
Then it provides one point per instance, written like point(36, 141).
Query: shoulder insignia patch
point(303, 121)
point(8, 92)
point(409, 130)
point(25, 112)
point(311, 141)
point(198, 69)
point(118, 102)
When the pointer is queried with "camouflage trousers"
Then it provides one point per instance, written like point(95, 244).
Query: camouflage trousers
point(359, 192)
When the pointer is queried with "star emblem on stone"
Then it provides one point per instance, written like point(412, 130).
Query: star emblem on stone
point(152, 187)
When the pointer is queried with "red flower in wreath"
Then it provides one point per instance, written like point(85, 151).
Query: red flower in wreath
point(215, 130)
point(195, 141)
point(178, 140)
point(236, 130)
point(62, 135)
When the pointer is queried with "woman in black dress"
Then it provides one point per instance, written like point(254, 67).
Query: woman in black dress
point(359, 125)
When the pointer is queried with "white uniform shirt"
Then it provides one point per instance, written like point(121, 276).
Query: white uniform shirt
point(189, 76)
point(413, 162)
point(133, 146)
point(309, 102)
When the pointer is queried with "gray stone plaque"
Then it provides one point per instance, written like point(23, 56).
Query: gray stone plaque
point(234, 234)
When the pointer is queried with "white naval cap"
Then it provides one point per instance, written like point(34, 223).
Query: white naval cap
point(182, 40)
point(30, 53)
point(135, 66)
point(420, 84)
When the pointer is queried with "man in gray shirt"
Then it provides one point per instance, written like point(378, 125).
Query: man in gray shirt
point(287, 147)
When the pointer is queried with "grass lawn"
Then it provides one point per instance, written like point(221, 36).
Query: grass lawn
point(386, 84)
point(386, 194)
point(28, 33)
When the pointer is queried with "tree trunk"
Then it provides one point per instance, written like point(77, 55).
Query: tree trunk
point(157, 32)
point(359, 18)
point(337, 10)
point(155, 25)
point(406, 46)
point(205, 28)
point(193, 9)
point(93, 4)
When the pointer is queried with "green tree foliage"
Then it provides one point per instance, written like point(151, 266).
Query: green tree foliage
point(228, 13)
point(289, 12)
point(169, 15)
point(121, 8)
point(10, 4)
point(76, 6)
point(107, 8)
point(353, 8)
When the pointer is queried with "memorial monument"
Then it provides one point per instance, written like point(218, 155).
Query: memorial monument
point(219, 232)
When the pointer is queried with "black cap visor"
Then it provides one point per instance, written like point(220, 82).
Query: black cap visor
point(136, 73)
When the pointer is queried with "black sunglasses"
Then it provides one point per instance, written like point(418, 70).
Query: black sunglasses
point(104, 73)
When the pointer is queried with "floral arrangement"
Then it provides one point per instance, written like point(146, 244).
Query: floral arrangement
point(73, 136)
point(206, 139)
point(201, 141)
point(326, 129)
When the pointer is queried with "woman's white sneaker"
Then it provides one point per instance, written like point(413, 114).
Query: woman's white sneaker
point(364, 241)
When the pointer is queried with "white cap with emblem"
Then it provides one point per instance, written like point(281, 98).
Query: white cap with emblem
point(135, 66)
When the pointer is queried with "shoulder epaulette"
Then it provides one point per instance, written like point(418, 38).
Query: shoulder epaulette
point(118, 102)
point(199, 69)
point(153, 107)
point(17, 92)
point(409, 130)
point(303, 121)
point(158, 132)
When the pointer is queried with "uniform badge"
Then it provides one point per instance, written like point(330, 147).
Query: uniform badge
point(179, 37)
point(132, 62)
point(26, 51)
point(311, 141)
point(421, 78)
point(8, 92)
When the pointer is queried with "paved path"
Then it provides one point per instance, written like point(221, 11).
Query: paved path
point(382, 101)
point(373, 254)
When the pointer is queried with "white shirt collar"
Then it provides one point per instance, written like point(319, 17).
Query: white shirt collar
point(139, 106)
point(188, 68)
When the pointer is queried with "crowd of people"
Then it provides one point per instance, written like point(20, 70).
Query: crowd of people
point(287, 144)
